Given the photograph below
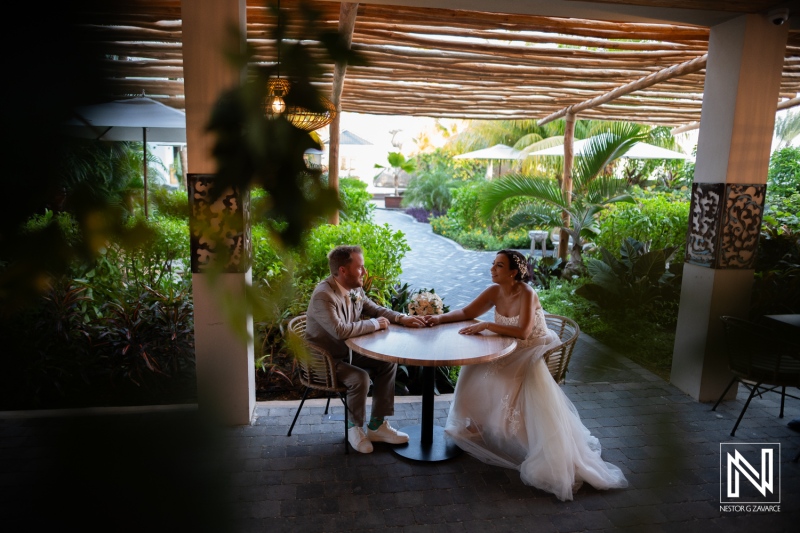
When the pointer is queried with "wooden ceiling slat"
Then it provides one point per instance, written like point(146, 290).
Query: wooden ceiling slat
point(515, 66)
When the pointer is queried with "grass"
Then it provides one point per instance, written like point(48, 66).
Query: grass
point(645, 338)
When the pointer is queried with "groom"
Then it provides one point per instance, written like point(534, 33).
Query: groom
point(334, 314)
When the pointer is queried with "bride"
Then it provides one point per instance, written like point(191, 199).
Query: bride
point(510, 412)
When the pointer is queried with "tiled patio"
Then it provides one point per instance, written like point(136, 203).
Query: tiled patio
point(169, 470)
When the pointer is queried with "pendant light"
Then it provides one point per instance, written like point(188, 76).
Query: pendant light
point(275, 103)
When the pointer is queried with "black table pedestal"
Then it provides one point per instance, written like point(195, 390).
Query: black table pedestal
point(427, 441)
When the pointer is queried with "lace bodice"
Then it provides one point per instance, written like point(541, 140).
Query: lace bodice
point(539, 326)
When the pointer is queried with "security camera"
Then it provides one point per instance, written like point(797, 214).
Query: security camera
point(778, 16)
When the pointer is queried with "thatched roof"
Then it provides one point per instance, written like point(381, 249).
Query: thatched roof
point(457, 63)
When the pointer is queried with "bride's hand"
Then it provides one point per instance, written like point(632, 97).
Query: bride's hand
point(474, 329)
point(431, 320)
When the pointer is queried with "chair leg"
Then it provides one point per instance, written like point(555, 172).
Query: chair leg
point(752, 392)
point(305, 393)
point(346, 442)
point(327, 405)
point(723, 394)
point(783, 400)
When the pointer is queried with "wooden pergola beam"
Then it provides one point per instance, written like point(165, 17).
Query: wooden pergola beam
point(786, 104)
point(699, 63)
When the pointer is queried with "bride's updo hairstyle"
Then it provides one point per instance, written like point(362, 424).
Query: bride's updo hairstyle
point(517, 261)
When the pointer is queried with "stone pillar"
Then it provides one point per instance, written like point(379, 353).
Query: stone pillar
point(745, 61)
point(220, 230)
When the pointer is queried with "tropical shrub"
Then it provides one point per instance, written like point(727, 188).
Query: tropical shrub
point(658, 218)
point(356, 205)
point(383, 251)
point(640, 279)
point(782, 214)
point(170, 203)
point(465, 209)
point(421, 214)
point(430, 190)
point(784, 172)
point(457, 169)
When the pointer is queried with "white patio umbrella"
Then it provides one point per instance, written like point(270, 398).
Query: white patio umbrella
point(134, 119)
point(640, 150)
point(498, 152)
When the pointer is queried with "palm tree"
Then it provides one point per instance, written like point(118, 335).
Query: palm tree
point(398, 163)
point(594, 188)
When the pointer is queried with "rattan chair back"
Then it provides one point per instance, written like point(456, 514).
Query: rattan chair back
point(316, 367)
point(557, 358)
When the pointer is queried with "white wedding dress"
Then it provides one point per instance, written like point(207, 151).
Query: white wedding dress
point(511, 413)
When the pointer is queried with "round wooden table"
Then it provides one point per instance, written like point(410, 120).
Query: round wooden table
point(431, 347)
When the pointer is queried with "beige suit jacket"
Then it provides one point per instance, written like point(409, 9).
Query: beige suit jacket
point(327, 323)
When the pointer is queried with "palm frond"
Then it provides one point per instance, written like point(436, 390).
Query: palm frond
point(534, 215)
point(515, 185)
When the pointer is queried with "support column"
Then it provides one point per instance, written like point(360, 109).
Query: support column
point(743, 73)
point(225, 361)
point(566, 180)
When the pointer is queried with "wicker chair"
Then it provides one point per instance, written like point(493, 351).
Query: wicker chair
point(557, 359)
point(760, 360)
point(317, 371)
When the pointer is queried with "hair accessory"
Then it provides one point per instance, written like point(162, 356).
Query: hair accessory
point(522, 265)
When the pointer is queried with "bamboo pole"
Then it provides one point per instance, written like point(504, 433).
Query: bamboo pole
point(786, 104)
point(347, 21)
point(566, 181)
point(678, 70)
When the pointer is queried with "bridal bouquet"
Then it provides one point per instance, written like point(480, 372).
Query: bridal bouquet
point(426, 302)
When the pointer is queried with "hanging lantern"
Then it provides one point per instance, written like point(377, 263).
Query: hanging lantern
point(304, 119)
point(277, 89)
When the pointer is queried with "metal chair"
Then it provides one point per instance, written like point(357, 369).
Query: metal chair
point(759, 360)
point(317, 371)
point(557, 359)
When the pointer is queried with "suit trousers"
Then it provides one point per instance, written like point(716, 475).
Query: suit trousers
point(356, 377)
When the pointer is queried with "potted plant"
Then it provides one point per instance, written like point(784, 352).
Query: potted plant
point(397, 163)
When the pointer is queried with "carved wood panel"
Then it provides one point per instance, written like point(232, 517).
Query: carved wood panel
point(724, 225)
point(219, 229)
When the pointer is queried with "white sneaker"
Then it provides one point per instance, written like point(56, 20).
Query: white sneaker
point(386, 433)
point(358, 440)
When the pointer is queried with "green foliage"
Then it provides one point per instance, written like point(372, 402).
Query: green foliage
point(268, 264)
point(646, 338)
point(776, 286)
point(640, 279)
point(479, 239)
point(465, 209)
point(592, 191)
point(782, 214)
point(430, 190)
point(440, 161)
point(355, 201)
point(396, 163)
point(170, 203)
point(383, 251)
point(784, 172)
point(545, 271)
point(658, 218)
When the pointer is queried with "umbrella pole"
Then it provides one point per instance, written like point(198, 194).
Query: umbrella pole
point(144, 167)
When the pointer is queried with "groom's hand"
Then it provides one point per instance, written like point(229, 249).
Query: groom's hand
point(412, 321)
point(383, 323)
point(431, 320)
